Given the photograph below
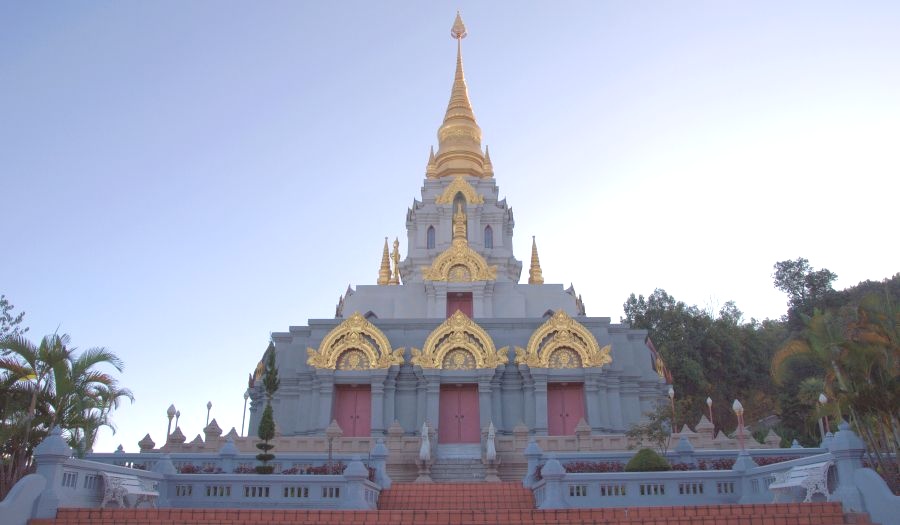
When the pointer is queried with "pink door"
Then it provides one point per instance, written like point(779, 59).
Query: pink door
point(565, 407)
point(461, 301)
point(353, 409)
point(459, 414)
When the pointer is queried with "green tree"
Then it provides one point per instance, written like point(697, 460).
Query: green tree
point(806, 288)
point(656, 429)
point(9, 323)
point(50, 384)
point(266, 430)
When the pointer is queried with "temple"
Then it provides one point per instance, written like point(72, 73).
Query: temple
point(448, 337)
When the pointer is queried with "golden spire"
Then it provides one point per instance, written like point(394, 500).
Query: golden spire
point(459, 224)
point(431, 167)
point(395, 257)
point(384, 272)
point(459, 137)
point(488, 166)
point(534, 273)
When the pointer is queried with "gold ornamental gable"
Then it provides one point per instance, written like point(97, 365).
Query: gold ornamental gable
point(459, 344)
point(459, 185)
point(563, 342)
point(355, 344)
point(459, 263)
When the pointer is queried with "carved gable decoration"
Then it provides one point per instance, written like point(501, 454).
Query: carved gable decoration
point(459, 344)
point(355, 344)
point(563, 342)
point(459, 263)
point(459, 185)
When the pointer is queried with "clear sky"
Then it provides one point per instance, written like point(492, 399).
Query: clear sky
point(179, 179)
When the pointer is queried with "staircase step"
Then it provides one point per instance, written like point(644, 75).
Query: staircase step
point(772, 514)
point(452, 496)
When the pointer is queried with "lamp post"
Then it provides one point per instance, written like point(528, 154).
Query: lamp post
point(709, 405)
point(170, 413)
point(822, 401)
point(177, 417)
point(208, 408)
point(739, 411)
point(672, 400)
point(244, 414)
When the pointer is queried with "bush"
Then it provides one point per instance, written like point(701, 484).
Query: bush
point(647, 460)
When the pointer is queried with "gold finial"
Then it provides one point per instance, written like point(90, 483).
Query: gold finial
point(459, 224)
point(395, 257)
point(459, 137)
point(458, 31)
point(431, 167)
point(534, 273)
point(384, 272)
point(488, 166)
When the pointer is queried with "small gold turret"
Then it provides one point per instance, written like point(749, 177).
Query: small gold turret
point(459, 137)
point(534, 273)
point(459, 224)
point(431, 168)
point(384, 272)
point(395, 258)
point(488, 166)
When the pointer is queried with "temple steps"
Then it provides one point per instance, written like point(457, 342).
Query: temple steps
point(771, 514)
point(454, 496)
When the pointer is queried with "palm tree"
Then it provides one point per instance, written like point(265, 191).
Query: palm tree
point(48, 385)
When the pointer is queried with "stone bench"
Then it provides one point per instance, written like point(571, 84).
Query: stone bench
point(118, 487)
point(811, 478)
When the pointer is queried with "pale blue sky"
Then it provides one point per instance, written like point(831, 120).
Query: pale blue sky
point(180, 179)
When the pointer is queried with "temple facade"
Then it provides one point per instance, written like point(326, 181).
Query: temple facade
point(450, 337)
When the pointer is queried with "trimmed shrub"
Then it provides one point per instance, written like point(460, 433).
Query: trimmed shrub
point(647, 460)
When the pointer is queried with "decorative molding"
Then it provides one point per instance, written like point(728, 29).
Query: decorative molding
point(366, 347)
point(459, 185)
point(563, 342)
point(459, 344)
point(459, 263)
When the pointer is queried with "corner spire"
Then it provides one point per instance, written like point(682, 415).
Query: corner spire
point(384, 272)
point(459, 137)
point(534, 273)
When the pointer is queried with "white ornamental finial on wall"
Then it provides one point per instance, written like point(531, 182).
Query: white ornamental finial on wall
point(491, 453)
point(425, 449)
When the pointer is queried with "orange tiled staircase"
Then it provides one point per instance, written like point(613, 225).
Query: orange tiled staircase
point(470, 504)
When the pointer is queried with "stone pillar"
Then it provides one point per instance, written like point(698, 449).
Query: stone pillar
point(478, 309)
point(356, 475)
point(848, 450)
point(591, 389)
point(50, 456)
point(165, 467)
point(528, 396)
point(540, 405)
point(227, 454)
point(325, 379)
point(377, 417)
point(614, 403)
point(433, 393)
point(390, 391)
point(484, 401)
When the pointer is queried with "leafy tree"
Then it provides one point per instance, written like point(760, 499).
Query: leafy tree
point(656, 430)
point(9, 323)
point(807, 289)
point(646, 460)
point(51, 384)
point(266, 430)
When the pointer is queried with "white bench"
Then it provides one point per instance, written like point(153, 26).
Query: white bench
point(812, 478)
point(117, 487)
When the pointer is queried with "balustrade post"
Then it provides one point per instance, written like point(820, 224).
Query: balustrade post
point(553, 474)
point(848, 450)
point(49, 456)
point(356, 475)
point(533, 454)
point(379, 462)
